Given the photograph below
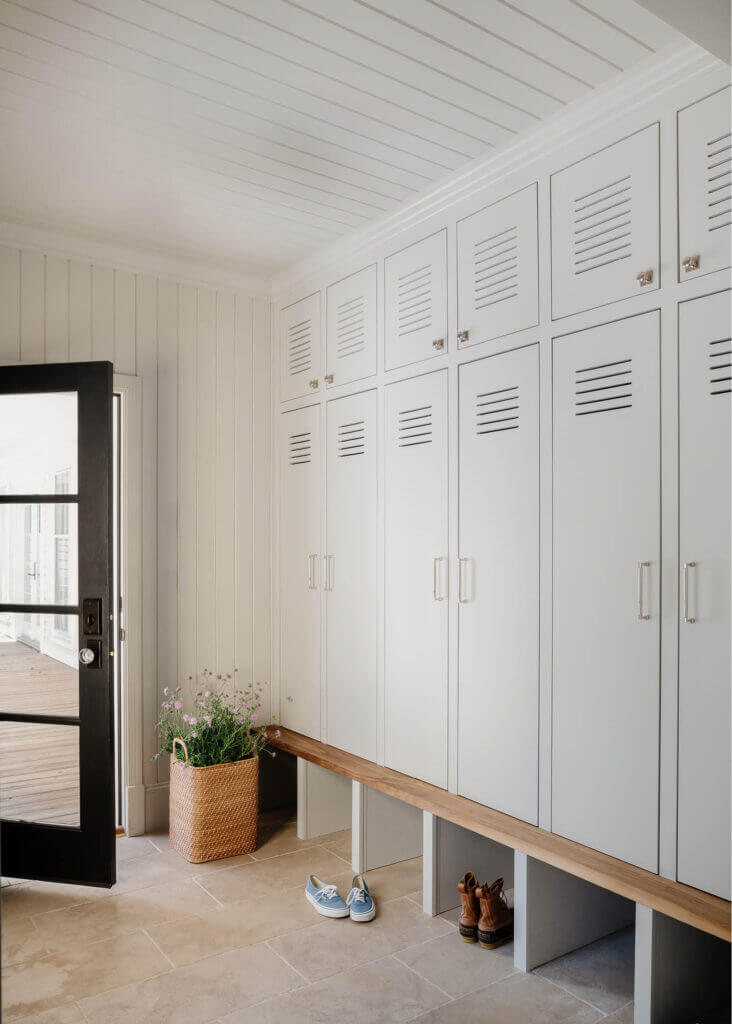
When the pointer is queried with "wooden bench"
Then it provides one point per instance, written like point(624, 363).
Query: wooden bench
point(691, 906)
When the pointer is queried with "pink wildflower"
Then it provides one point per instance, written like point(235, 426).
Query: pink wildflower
point(166, 691)
point(193, 720)
point(208, 719)
point(207, 693)
point(194, 735)
point(178, 704)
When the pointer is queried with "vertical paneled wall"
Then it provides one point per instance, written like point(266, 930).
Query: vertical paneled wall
point(203, 358)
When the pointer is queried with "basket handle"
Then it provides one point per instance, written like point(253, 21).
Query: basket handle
point(177, 739)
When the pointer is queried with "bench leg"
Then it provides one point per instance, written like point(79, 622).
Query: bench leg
point(323, 800)
point(680, 972)
point(554, 912)
point(449, 851)
point(384, 830)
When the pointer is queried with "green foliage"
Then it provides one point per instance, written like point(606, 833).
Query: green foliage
point(222, 726)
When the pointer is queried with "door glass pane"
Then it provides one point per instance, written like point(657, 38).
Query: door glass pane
point(39, 554)
point(39, 659)
point(38, 443)
point(39, 772)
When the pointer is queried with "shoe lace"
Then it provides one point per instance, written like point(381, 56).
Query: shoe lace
point(328, 892)
point(356, 896)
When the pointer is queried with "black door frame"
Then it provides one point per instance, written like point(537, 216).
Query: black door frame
point(62, 853)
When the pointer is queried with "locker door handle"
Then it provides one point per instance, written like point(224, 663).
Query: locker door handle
point(687, 566)
point(436, 579)
point(462, 563)
point(641, 567)
point(312, 563)
point(329, 574)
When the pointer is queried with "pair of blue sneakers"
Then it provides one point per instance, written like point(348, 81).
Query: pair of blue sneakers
point(326, 899)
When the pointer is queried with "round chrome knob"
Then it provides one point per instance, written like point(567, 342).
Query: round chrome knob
point(86, 656)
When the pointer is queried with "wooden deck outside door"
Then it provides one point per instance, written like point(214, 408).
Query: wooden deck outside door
point(56, 629)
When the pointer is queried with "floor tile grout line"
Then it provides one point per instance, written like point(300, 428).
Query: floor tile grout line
point(159, 949)
point(422, 977)
point(574, 995)
point(286, 961)
point(199, 883)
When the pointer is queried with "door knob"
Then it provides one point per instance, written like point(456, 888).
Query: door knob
point(328, 378)
point(690, 263)
point(463, 337)
point(313, 384)
point(86, 656)
point(644, 277)
point(438, 344)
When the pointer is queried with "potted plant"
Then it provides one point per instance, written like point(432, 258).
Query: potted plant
point(214, 767)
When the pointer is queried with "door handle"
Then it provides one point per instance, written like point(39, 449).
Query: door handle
point(641, 567)
point(312, 562)
point(86, 656)
point(462, 563)
point(687, 566)
point(329, 572)
point(436, 594)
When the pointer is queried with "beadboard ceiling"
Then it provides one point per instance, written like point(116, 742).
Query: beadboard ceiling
point(249, 133)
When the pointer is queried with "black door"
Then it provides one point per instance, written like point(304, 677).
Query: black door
point(56, 636)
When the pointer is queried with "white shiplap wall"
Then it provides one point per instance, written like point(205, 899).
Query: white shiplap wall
point(202, 355)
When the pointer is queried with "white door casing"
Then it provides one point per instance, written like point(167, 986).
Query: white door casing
point(606, 682)
point(300, 570)
point(705, 422)
point(351, 328)
point(349, 574)
point(416, 577)
point(498, 731)
point(415, 302)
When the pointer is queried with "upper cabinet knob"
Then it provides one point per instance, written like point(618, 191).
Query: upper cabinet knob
point(690, 263)
point(313, 384)
point(328, 378)
point(463, 336)
point(439, 344)
point(645, 277)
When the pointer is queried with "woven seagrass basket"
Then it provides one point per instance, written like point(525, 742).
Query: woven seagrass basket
point(213, 811)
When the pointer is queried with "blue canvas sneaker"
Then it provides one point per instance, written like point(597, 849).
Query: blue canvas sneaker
point(360, 900)
point(325, 898)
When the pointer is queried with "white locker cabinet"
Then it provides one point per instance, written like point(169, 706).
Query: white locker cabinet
point(498, 716)
point(605, 225)
point(606, 684)
point(300, 582)
point(300, 348)
point(415, 301)
point(416, 577)
point(498, 269)
point(705, 380)
point(705, 186)
point(351, 328)
point(350, 575)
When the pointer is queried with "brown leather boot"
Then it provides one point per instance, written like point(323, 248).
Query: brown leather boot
point(496, 919)
point(468, 921)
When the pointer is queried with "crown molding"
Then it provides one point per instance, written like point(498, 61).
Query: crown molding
point(146, 261)
point(670, 67)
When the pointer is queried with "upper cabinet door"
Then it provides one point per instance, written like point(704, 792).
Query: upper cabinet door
point(605, 225)
point(498, 269)
point(351, 328)
point(300, 348)
point(705, 166)
point(415, 285)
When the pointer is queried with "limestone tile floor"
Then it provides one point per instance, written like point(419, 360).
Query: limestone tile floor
point(234, 942)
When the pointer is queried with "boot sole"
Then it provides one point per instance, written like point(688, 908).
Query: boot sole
point(468, 933)
point(492, 940)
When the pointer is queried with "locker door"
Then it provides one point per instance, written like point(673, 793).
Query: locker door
point(416, 573)
point(705, 186)
point(498, 744)
point(350, 575)
point(351, 328)
point(605, 226)
point(498, 269)
point(606, 686)
point(300, 581)
point(300, 348)
point(415, 301)
point(705, 354)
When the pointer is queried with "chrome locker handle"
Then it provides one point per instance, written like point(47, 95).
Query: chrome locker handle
point(687, 565)
point(329, 572)
point(312, 563)
point(436, 591)
point(641, 614)
point(462, 563)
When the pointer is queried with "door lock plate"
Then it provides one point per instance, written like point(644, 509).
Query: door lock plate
point(91, 611)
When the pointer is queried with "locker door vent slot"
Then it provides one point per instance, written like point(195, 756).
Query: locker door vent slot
point(720, 366)
point(415, 426)
point(719, 183)
point(602, 226)
point(495, 268)
point(350, 331)
point(300, 445)
point(604, 388)
point(497, 411)
point(299, 347)
point(414, 301)
point(351, 439)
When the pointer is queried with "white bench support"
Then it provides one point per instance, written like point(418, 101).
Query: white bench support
point(384, 830)
point(323, 800)
point(554, 912)
point(450, 851)
point(680, 972)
